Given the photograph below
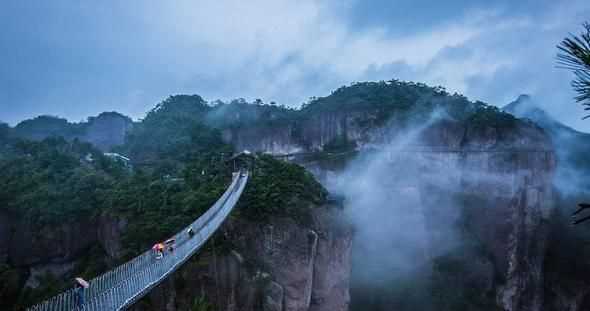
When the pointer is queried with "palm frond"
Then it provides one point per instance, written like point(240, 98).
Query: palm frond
point(574, 55)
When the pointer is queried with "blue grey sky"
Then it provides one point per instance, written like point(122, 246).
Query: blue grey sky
point(79, 58)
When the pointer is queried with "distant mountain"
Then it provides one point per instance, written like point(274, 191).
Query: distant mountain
point(572, 146)
point(525, 107)
point(107, 130)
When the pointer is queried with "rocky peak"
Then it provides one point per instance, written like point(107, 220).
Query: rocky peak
point(106, 130)
point(525, 107)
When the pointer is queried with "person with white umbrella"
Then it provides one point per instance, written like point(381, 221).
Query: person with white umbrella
point(79, 287)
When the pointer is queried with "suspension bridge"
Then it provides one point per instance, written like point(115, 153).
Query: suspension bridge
point(121, 287)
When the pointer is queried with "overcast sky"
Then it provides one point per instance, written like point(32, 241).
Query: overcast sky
point(79, 58)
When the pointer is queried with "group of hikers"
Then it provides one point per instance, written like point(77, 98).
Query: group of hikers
point(160, 248)
point(80, 284)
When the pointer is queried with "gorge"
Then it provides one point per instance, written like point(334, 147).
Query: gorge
point(426, 189)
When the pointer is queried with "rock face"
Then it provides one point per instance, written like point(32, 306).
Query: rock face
point(34, 252)
point(280, 139)
point(107, 130)
point(511, 168)
point(308, 134)
point(332, 265)
point(517, 201)
point(27, 244)
point(281, 266)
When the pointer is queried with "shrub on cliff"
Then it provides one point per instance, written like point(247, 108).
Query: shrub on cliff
point(278, 188)
point(491, 116)
point(239, 113)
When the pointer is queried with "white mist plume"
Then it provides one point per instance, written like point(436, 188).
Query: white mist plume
point(405, 204)
point(387, 209)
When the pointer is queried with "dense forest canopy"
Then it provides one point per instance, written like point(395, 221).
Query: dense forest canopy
point(181, 138)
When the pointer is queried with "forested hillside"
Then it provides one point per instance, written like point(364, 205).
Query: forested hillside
point(183, 170)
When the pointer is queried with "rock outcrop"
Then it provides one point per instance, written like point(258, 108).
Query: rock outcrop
point(107, 130)
point(510, 168)
point(565, 273)
point(26, 244)
point(33, 253)
point(305, 135)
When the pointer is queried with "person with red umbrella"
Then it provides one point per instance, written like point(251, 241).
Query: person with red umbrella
point(159, 249)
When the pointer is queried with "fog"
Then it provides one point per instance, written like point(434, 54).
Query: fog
point(407, 208)
point(384, 205)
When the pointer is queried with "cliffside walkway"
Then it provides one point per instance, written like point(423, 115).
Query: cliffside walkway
point(121, 287)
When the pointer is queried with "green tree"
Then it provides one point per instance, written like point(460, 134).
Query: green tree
point(574, 54)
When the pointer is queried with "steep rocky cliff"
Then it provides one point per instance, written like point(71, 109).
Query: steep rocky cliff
point(509, 169)
point(566, 271)
point(107, 130)
point(510, 173)
point(305, 135)
point(46, 257)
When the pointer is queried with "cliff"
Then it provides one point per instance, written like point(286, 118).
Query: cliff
point(566, 270)
point(46, 257)
point(507, 167)
point(107, 130)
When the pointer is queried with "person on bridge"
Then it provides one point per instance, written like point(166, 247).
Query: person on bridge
point(159, 249)
point(191, 232)
point(79, 287)
point(170, 243)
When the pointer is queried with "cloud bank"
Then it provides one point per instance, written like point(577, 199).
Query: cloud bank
point(77, 59)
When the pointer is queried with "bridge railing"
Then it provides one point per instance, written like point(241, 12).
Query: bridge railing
point(122, 286)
